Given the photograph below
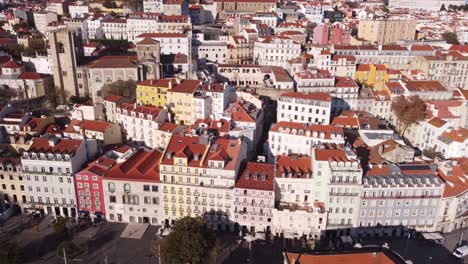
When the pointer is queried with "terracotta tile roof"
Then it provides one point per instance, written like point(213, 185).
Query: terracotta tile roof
point(153, 111)
point(32, 76)
point(222, 126)
point(456, 183)
point(293, 167)
point(148, 41)
point(62, 146)
point(331, 155)
point(460, 136)
point(351, 258)
point(113, 98)
point(347, 57)
point(394, 47)
point(10, 65)
point(345, 82)
point(346, 121)
point(363, 67)
point(239, 113)
point(33, 125)
point(257, 176)
point(460, 48)
point(380, 67)
point(141, 166)
point(186, 86)
point(114, 62)
point(300, 128)
point(169, 127)
point(422, 48)
point(212, 87)
point(157, 83)
point(308, 74)
point(308, 96)
point(437, 122)
point(425, 86)
point(91, 125)
point(224, 149)
point(185, 146)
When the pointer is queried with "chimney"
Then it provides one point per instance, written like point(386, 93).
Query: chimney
point(53, 141)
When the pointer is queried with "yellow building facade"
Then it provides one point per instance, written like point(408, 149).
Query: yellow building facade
point(180, 100)
point(372, 75)
point(154, 92)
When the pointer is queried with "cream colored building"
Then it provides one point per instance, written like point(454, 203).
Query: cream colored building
point(11, 180)
point(452, 71)
point(386, 31)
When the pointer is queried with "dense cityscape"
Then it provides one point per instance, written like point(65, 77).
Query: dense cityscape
point(223, 131)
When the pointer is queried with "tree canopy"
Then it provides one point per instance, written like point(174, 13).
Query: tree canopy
point(450, 37)
point(136, 5)
point(122, 88)
point(189, 242)
point(408, 110)
point(6, 93)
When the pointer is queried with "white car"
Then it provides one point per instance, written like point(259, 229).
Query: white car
point(461, 251)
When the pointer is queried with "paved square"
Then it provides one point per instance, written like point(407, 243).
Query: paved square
point(134, 231)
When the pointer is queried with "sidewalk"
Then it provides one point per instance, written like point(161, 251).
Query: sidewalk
point(134, 231)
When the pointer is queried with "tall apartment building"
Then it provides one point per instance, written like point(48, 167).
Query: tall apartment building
point(153, 6)
point(140, 123)
point(287, 138)
point(12, 181)
point(254, 197)
point(132, 188)
point(276, 51)
point(399, 195)
point(451, 69)
point(65, 49)
point(49, 166)
point(197, 176)
point(386, 31)
point(337, 177)
point(310, 108)
point(453, 209)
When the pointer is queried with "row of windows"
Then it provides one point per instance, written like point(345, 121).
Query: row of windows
point(396, 213)
point(44, 178)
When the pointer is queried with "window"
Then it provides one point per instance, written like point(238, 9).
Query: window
point(112, 199)
point(146, 188)
point(154, 188)
point(111, 187)
point(126, 187)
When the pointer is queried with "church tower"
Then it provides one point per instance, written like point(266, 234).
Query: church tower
point(149, 59)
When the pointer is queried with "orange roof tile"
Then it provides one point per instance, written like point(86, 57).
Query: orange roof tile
point(257, 176)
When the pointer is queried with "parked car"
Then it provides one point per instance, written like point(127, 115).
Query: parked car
point(461, 251)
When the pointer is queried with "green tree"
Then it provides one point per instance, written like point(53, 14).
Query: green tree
point(135, 5)
point(109, 4)
point(442, 8)
point(189, 242)
point(450, 37)
point(56, 96)
point(408, 110)
point(310, 29)
point(7, 94)
point(60, 226)
point(79, 100)
point(122, 88)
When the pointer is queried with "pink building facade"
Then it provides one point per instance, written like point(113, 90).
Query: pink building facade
point(254, 197)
